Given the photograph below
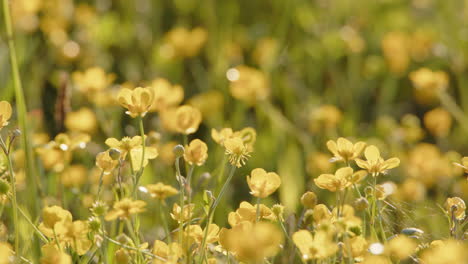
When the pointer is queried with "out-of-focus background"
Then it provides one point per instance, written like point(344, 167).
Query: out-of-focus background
point(390, 72)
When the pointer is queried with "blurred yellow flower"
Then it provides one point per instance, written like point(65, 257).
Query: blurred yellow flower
point(161, 191)
point(92, 80)
point(455, 206)
point(187, 119)
point(374, 163)
point(444, 252)
point(75, 235)
point(324, 117)
point(53, 218)
point(438, 121)
point(137, 101)
point(5, 113)
point(248, 213)
point(221, 135)
point(428, 84)
point(83, 120)
point(262, 183)
point(6, 253)
point(171, 253)
point(196, 152)
point(197, 234)
point(343, 178)
point(463, 164)
point(181, 42)
point(401, 247)
point(319, 246)
point(136, 155)
point(344, 150)
point(52, 255)
point(396, 50)
point(74, 176)
point(124, 208)
point(125, 145)
point(248, 84)
point(165, 94)
point(252, 242)
point(182, 214)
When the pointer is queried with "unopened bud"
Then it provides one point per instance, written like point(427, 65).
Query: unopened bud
point(178, 151)
point(114, 153)
point(361, 204)
point(309, 200)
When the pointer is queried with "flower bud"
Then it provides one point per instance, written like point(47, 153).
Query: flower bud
point(114, 153)
point(309, 200)
point(361, 204)
point(4, 187)
point(99, 208)
point(178, 151)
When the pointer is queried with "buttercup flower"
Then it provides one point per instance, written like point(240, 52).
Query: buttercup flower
point(171, 253)
point(137, 101)
point(248, 213)
point(105, 162)
point(248, 84)
point(374, 163)
point(124, 208)
point(92, 80)
point(197, 234)
point(161, 191)
point(319, 246)
point(457, 206)
point(125, 145)
point(187, 119)
point(182, 214)
point(309, 200)
point(165, 94)
point(438, 121)
point(342, 179)
point(5, 253)
point(262, 183)
point(237, 151)
point(221, 135)
point(53, 218)
point(5, 113)
point(196, 152)
point(52, 255)
point(344, 150)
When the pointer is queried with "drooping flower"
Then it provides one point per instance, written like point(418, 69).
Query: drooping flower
point(456, 206)
point(262, 183)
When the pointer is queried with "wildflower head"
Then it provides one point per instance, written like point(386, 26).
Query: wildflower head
point(309, 200)
point(455, 206)
point(161, 191)
point(5, 113)
point(52, 255)
point(165, 94)
point(237, 151)
point(428, 84)
point(124, 208)
point(182, 214)
point(105, 162)
point(376, 164)
point(248, 84)
point(221, 135)
point(187, 119)
point(262, 183)
point(196, 152)
point(317, 246)
point(166, 253)
point(137, 101)
point(438, 121)
point(344, 150)
point(337, 182)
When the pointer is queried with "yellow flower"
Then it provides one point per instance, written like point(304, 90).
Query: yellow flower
point(125, 145)
point(221, 135)
point(248, 84)
point(428, 84)
point(165, 94)
point(74, 176)
point(237, 151)
point(444, 252)
point(52, 255)
point(321, 214)
point(196, 152)
point(161, 191)
point(53, 218)
point(319, 246)
point(75, 235)
point(137, 154)
point(344, 150)
point(262, 183)
point(92, 80)
point(196, 233)
point(5, 113)
point(187, 119)
point(105, 162)
point(438, 121)
point(181, 42)
point(248, 213)
point(84, 120)
point(395, 47)
point(124, 208)
point(5, 253)
point(343, 178)
point(171, 253)
point(182, 215)
point(401, 247)
point(325, 117)
point(374, 163)
point(358, 246)
point(252, 242)
point(455, 206)
point(137, 101)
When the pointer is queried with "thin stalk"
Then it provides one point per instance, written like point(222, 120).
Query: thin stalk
point(20, 102)
point(100, 185)
point(450, 105)
point(181, 197)
point(189, 195)
point(13, 201)
point(212, 211)
point(164, 220)
point(143, 148)
point(257, 217)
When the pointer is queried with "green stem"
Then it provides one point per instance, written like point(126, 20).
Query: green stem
point(20, 103)
point(180, 179)
point(257, 215)
point(13, 201)
point(100, 185)
point(449, 104)
point(164, 220)
point(212, 211)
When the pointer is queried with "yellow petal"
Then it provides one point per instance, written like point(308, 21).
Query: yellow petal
point(372, 153)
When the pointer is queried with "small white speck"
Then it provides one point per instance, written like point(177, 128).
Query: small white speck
point(232, 75)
